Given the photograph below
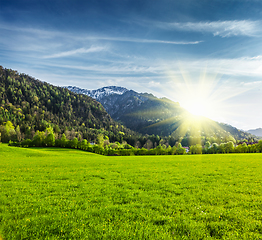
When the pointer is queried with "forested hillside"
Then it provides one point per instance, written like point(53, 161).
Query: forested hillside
point(32, 105)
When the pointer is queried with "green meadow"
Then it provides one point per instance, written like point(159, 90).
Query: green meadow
point(52, 193)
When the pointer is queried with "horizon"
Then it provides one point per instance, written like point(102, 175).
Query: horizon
point(205, 55)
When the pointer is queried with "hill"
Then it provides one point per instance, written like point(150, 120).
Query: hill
point(257, 132)
point(147, 114)
point(34, 105)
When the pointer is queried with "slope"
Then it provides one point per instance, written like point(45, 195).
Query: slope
point(34, 105)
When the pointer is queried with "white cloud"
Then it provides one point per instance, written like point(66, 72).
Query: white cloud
point(235, 67)
point(218, 28)
point(46, 34)
point(76, 51)
point(251, 83)
point(141, 40)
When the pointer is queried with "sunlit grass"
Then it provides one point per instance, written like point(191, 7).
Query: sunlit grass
point(70, 194)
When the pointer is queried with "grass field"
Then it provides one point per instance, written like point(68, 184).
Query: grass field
point(70, 194)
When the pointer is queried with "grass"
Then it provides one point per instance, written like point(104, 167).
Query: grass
point(51, 193)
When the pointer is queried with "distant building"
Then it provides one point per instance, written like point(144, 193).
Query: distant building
point(247, 143)
point(187, 149)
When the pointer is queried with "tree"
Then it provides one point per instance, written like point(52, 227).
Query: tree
point(63, 141)
point(180, 150)
point(100, 140)
point(239, 148)
point(169, 150)
point(160, 150)
point(38, 139)
point(148, 145)
point(48, 130)
point(259, 146)
point(196, 149)
point(74, 143)
point(50, 140)
point(138, 144)
point(207, 145)
point(35, 99)
point(229, 147)
point(79, 137)
point(214, 148)
point(9, 126)
point(221, 148)
point(84, 144)
point(7, 132)
point(26, 143)
point(18, 133)
point(57, 129)
point(244, 148)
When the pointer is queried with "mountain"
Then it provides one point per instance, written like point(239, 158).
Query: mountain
point(99, 93)
point(138, 111)
point(257, 132)
point(34, 105)
point(147, 114)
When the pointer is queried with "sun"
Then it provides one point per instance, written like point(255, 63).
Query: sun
point(197, 106)
point(200, 97)
point(200, 101)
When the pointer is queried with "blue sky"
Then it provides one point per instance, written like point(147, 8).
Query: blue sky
point(184, 50)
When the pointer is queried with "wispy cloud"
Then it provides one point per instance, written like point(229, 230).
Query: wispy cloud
point(35, 31)
point(48, 34)
point(140, 40)
point(234, 67)
point(76, 51)
point(217, 28)
point(251, 83)
point(115, 69)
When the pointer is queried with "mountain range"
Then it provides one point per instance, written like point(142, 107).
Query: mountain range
point(147, 114)
point(28, 105)
point(257, 132)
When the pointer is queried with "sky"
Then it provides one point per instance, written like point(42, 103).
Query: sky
point(206, 55)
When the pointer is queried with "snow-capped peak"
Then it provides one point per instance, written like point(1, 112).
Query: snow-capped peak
point(99, 93)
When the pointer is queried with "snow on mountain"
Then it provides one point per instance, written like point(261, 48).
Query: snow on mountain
point(99, 93)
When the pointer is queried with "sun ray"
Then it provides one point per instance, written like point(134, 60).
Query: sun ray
point(202, 99)
point(205, 99)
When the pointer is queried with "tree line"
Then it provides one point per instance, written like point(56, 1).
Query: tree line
point(48, 138)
